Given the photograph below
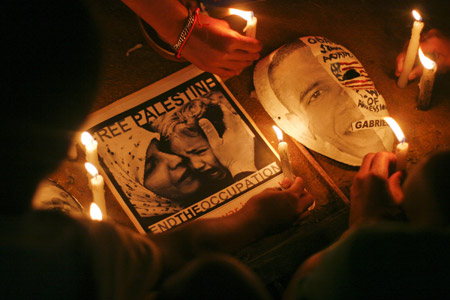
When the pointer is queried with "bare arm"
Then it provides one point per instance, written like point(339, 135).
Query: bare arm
point(270, 210)
point(375, 194)
point(213, 46)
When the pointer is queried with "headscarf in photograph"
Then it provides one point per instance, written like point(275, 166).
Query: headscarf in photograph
point(124, 155)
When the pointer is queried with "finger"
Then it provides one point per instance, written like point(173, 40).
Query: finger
point(297, 187)
point(247, 44)
point(416, 72)
point(285, 184)
point(231, 120)
point(235, 65)
point(223, 72)
point(306, 201)
point(240, 55)
point(210, 131)
point(394, 183)
point(399, 64)
point(366, 163)
point(382, 162)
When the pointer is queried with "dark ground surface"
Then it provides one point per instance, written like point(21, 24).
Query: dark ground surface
point(374, 31)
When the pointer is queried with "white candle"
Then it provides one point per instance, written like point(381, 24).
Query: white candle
point(90, 144)
point(97, 187)
point(411, 53)
point(283, 151)
point(401, 151)
point(426, 81)
point(249, 16)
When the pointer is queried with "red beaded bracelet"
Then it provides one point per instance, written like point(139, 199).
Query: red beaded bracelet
point(186, 32)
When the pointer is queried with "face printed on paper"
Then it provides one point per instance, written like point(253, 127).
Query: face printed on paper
point(321, 98)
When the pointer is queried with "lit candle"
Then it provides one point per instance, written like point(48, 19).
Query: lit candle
point(90, 144)
point(411, 53)
point(249, 16)
point(426, 81)
point(283, 151)
point(95, 212)
point(401, 151)
point(97, 186)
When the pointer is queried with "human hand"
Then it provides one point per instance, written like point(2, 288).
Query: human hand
point(376, 190)
point(214, 47)
point(433, 42)
point(274, 208)
point(236, 149)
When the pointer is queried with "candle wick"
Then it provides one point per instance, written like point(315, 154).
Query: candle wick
point(403, 140)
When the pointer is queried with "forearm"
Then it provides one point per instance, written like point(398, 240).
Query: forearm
point(203, 236)
point(167, 17)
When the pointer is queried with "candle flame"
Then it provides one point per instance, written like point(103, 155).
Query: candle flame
point(396, 129)
point(416, 15)
point(87, 139)
point(426, 62)
point(91, 169)
point(246, 15)
point(95, 212)
point(278, 132)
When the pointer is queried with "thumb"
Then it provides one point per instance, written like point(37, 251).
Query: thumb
point(416, 72)
point(210, 131)
point(399, 64)
point(394, 183)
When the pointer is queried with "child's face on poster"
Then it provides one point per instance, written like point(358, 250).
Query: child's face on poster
point(200, 155)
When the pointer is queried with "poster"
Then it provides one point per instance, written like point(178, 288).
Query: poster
point(162, 167)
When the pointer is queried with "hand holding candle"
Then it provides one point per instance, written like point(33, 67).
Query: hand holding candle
point(426, 81)
point(401, 151)
point(97, 186)
point(90, 145)
point(283, 151)
point(411, 53)
point(249, 16)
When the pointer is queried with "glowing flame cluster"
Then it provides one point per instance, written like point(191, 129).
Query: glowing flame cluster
point(95, 212)
point(426, 62)
point(246, 15)
point(91, 169)
point(416, 15)
point(278, 132)
point(87, 139)
point(395, 128)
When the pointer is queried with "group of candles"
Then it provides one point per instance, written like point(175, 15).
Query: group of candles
point(423, 100)
point(98, 206)
point(427, 80)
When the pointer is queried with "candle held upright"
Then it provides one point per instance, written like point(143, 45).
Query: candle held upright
point(411, 52)
point(283, 151)
point(426, 81)
point(97, 187)
point(401, 151)
point(90, 145)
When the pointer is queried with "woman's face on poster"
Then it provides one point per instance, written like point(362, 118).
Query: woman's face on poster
point(308, 91)
point(168, 175)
